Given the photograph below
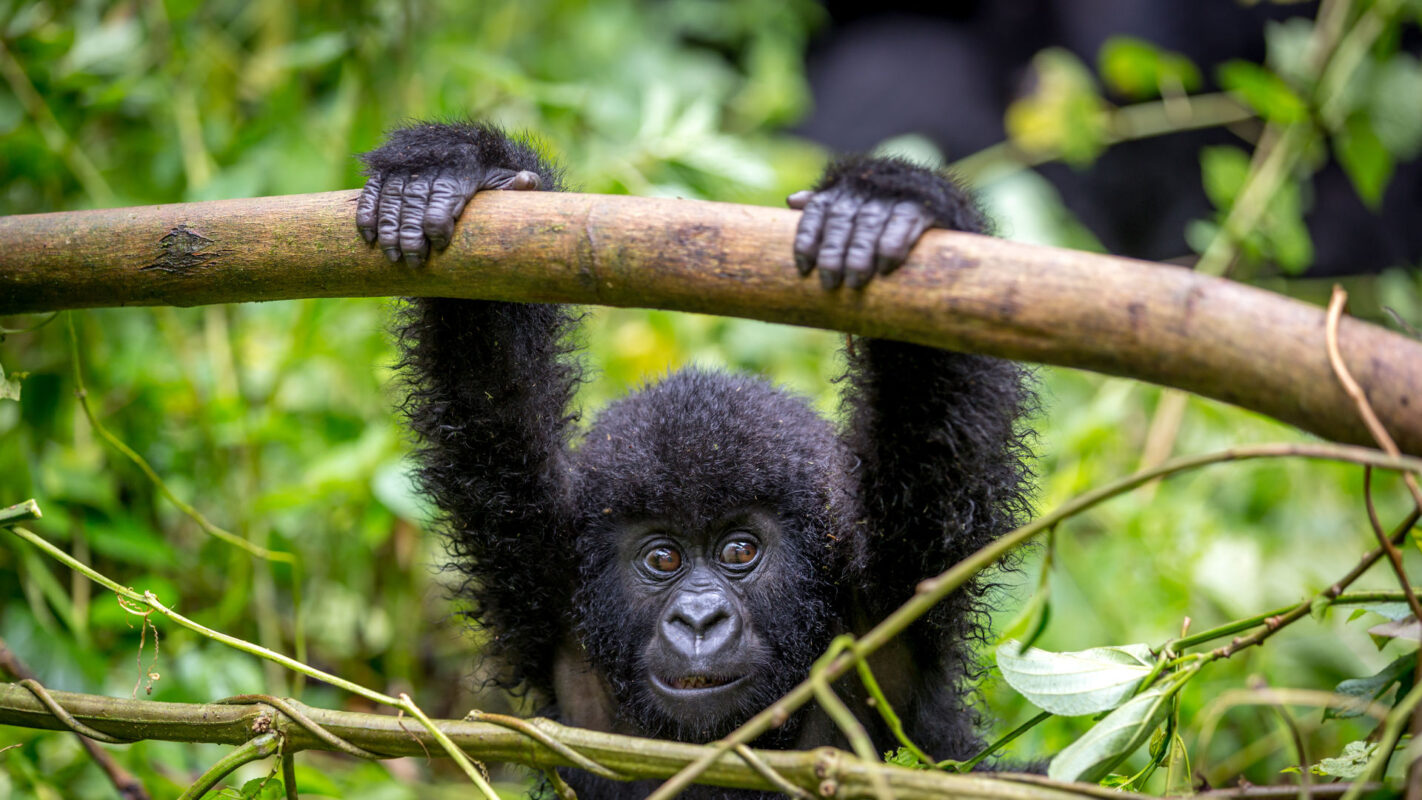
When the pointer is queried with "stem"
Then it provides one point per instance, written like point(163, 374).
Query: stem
point(1239, 625)
point(1275, 624)
point(263, 746)
point(1004, 740)
point(473, 772)
point(20, 512)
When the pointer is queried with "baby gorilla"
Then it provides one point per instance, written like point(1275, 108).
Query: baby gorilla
point(681, 566)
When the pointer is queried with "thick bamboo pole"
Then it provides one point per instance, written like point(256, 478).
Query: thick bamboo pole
point(1161, 324)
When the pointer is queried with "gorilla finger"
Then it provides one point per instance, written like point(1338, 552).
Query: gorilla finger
point(392, 198)
point(839, 224)
point(906, 223)
point(526, 181)
point(798, 200)
point(864, 242)
point(810, 229)
point(447, 196)
point(413, 244)
point(366, 206)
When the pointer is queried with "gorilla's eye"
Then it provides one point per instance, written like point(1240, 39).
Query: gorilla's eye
point(664, 559)
point(738, 552)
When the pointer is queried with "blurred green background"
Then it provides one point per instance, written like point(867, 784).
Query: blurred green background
point(275, 420)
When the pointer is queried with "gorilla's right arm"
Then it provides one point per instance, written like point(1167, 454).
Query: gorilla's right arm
point(490, 386)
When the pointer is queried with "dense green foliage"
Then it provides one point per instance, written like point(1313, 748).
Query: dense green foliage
point(276, 421)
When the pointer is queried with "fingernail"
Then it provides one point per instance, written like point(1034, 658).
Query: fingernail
point(392, 253)
point(829, 279)
point(367, 235)
point(856, 279)
point(414, 259)
point(803, 264)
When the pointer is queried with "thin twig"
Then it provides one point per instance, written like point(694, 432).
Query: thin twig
point(1273, 625)
point(295, 715)
point(1336, 305)
point(1365, 409)
point(472, 770)
point(532, 731)
point(288, 776)
point(766, 771)
point(837, 711)
point(1241, 625)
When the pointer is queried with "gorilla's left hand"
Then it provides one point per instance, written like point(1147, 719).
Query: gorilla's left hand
point(850, 235)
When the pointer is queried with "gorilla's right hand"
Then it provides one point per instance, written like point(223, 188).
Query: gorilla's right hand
point(419, 183)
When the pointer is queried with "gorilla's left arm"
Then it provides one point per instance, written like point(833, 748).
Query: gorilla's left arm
point(943, 461)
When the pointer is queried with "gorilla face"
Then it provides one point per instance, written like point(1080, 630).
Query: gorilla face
point(709, 508)
point(699, 626)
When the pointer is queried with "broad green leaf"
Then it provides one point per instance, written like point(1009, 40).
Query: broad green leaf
point(1286, 235)
point(1287, 46)
point(1223, 170)
point(1349, 766)
point(904, 757)
point(1371, 687)
point(1393, 611)
point(1398, 629)
point(1263, 91)
point(1111, 740)
point(1140, 70)
point(1072, 684)
point(268, 788)
point(1362, 155)
point(9, 387)
point(1064, 115)
point(1395, 106)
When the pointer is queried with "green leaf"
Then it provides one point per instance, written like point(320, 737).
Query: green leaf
point(1140, 70)
point(1349, 766)
point(904, 757)
point(1064, 114)
point(1263, 91)
point(268, 788)
point(1362, 155)
point(9, 387)
point(1287, 236)
point(1409, 629)
point(1395, 611)
point(1223, 170)
point(1072, 684)
point(1395, 106)
point(1110, 741)
point(1364, 690)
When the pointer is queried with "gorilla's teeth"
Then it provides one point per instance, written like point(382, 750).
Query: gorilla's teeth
point(697, 682)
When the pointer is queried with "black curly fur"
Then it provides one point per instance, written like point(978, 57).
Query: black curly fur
point(931, 466)
point(900, 179)
point(468, 147)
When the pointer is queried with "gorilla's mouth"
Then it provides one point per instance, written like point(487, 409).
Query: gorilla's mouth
point(695, 682)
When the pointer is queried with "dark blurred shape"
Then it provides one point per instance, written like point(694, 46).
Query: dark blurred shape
point(948, 70)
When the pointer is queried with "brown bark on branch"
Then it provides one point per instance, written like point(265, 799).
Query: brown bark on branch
point(1161, 324)
point(843, 775)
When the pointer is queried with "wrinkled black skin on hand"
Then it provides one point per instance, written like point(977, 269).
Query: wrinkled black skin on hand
point(931, 465)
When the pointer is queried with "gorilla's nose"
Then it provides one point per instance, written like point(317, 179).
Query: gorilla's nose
point(700, 624)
